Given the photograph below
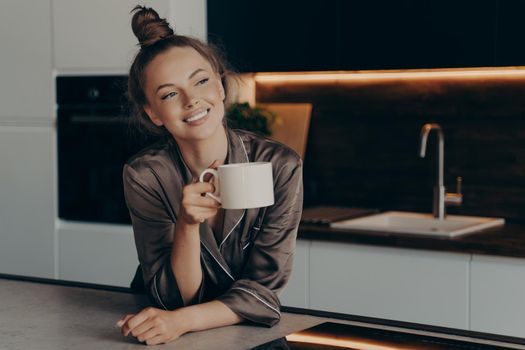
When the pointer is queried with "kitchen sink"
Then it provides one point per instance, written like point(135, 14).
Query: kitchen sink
point(420, 224)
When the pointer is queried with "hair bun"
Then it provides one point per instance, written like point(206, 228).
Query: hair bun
point(148, 27)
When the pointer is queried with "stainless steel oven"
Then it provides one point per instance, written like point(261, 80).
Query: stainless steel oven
point(94, 142)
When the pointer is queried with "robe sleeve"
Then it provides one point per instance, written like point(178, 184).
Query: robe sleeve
point(153, 232)
point(268, 268)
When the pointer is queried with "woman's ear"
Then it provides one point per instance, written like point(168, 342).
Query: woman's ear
point(152, 116)
point(221, 87)
point(223, 94)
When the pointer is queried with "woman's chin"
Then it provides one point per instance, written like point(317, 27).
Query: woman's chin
point(197, 133)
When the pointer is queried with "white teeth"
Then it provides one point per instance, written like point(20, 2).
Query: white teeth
point(197, 116)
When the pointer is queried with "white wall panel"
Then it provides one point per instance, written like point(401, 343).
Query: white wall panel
point(96, 35)
point(26, 83)
point(27, 200)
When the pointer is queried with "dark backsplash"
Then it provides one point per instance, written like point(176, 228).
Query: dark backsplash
point(363, 143)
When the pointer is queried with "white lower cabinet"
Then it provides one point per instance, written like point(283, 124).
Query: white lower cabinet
point(296, 293)
point(497, 297)
point(27, 200)
point(96, 253)
point(399, 284)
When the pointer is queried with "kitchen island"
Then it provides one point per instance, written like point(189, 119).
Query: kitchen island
point(49, 314)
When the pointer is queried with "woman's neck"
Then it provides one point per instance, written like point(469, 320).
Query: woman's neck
point(199, 155)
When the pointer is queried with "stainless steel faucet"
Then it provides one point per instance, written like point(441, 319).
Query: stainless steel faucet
point(441, 198)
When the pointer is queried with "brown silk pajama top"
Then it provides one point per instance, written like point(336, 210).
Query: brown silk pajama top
point(252, 263)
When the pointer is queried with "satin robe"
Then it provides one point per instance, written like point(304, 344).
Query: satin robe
point(252, 263)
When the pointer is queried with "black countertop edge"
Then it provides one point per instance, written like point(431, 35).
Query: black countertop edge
point(66, 283)
point(504, 242)
point(407, 325)
point(318, 313)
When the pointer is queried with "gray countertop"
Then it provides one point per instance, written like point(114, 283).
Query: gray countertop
point(48, 316)
point(41, 316)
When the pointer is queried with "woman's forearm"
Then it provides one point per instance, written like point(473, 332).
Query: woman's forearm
point(209, 315)
point(185, 260)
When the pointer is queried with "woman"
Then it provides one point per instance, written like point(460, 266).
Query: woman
point(201, 265)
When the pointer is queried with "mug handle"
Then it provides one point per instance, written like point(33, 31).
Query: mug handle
point(215, 173)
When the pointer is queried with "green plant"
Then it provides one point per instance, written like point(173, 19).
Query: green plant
point(255, 119)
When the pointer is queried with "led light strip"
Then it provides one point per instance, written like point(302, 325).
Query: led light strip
point(508, 72)
point(346, 344)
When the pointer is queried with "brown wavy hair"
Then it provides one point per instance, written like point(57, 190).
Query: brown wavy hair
point(156, 36)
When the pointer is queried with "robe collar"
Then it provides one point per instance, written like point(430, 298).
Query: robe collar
point(232, 217)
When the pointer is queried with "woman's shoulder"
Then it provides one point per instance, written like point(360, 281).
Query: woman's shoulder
point(264, 149)
point(149, 160)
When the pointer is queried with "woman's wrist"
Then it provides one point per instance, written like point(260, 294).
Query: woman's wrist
point(188, 316)
point(185, 227)
point(208, 315)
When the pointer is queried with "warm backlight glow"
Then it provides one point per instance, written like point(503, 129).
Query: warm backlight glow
point(343, 343)
point(304, 77)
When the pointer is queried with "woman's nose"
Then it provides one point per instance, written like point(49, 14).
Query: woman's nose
point(191, 100)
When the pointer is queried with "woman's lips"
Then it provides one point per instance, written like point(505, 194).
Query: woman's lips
point(198, 118)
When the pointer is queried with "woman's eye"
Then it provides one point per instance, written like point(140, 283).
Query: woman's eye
point(203, 81)
point(170, 95)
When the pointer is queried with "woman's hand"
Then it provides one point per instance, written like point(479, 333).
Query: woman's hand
point(154, 326)
point(195, 206)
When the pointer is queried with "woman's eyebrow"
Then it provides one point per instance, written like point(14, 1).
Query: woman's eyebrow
point(163, 86)
point(191, 76)
point(194, 73)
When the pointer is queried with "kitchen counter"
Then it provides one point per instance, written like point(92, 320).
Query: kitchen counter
point(507, 240)
point(47, 314)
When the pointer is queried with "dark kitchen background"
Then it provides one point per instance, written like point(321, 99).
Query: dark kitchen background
point(363, 144)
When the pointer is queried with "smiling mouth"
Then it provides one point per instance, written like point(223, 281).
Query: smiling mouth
point(197, 116)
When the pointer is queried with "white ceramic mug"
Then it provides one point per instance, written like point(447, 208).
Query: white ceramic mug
point(242, 185)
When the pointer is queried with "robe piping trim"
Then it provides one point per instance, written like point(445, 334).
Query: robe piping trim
point(213, 256)
point(258, 298)
point(157, 293)
point(246, 245)
point(233, 228)
point(238, 221)
point(244, 148)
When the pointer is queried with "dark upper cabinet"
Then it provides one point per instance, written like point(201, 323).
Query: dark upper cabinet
point(373, 34)
point(275, 35)
point(511, 33)
point(417, 34)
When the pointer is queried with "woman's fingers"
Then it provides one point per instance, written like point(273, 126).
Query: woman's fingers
point(201, 187)
point(192, 195)
point(198, 188)
point(195, 207)
point(201, 201)
point(123, 320)
point(149, 326)
point(142, 330)
point(158, 339)
point(136, 321)
point(149, 334)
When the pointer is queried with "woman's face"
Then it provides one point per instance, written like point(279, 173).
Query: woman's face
point(184, 94)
